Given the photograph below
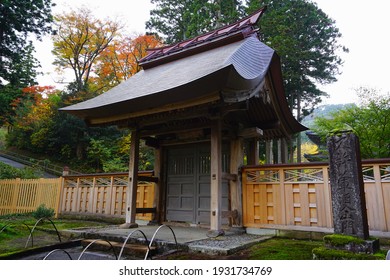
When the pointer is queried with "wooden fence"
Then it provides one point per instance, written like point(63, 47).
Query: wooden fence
point(298, 196)
point(100, 194)
point(25, 195)
point(274, 196)
point(105, 194)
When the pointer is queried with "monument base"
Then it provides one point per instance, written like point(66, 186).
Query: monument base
point(346, 247)
point(351, 244)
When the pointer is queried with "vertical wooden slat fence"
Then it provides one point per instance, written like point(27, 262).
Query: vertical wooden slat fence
point(104, 194)
point(25, 195)
point(298, 196)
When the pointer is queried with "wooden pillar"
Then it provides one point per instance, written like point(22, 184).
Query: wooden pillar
point(236, 160)
point(269, 156)
point(158, 185)
point(216, 179)
point(284, 151)
point(253, 152)
point(131, 195)
point(279, 155)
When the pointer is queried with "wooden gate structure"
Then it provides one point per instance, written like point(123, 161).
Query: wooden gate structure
point(223, 87)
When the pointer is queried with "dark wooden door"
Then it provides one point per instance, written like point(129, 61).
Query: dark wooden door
point(188, 184)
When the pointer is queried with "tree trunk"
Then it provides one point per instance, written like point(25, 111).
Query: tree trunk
point(299, 150)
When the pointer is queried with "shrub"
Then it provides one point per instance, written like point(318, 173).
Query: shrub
point(43, 212)
point(9, 172)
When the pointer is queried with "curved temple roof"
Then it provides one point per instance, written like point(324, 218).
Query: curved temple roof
point(231, 64)
point(155, 82)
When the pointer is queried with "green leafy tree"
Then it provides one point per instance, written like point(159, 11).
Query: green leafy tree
point(33, 118)
point(370, 121)
point(183, 19)
point(307, 41)
point(19, 19)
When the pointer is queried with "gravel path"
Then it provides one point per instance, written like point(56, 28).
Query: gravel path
point(225, 245)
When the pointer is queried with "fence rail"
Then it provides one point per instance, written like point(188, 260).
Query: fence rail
point(105, 194)
point(25, 195)
point(298, 196)
point(100, 194)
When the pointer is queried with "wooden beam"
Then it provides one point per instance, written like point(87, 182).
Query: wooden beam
point(269, 155)
point(157, 200)
point(241, 106)
point(131, 196)
point(250, 132)
point(253, 152)
point(150, 179)
point(216, 178)
point(151, 142)
point(145, 210)
point(213, 97)
point(175, 129)
point(200, 111)
point(235, 187)
point(229, 176)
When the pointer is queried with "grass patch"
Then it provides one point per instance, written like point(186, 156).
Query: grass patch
point(341, 240)
point(323, 253)
point(283, 249)
point(15, 230)
point(272, 249)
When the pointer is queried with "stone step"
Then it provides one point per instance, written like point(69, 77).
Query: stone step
point(134, 249)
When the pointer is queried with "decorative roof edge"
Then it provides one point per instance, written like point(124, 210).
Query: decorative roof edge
point(222, 36)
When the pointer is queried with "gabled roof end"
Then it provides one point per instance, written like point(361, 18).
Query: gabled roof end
point(213, 39)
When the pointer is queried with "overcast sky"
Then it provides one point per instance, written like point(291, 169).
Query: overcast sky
point(363, 24)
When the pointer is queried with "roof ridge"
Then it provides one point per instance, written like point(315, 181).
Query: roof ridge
point(212, 39)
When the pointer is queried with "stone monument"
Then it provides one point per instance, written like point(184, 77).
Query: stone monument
point(347, 187)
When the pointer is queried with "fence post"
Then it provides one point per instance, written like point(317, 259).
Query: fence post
point(60, 187)
point(379, 197)
point(39, 194)
point(93, 197)
point(15, 195)
point(75, 207)
point(282, 196)
point(244, 196)
point(327, 197)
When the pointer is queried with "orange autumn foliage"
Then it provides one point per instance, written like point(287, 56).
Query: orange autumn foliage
point(120, 60)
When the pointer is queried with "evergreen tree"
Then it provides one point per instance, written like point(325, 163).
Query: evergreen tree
point(19, 19)
point(304, 37)
point(179, 20)
point(306, 40)
point(18, 67)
